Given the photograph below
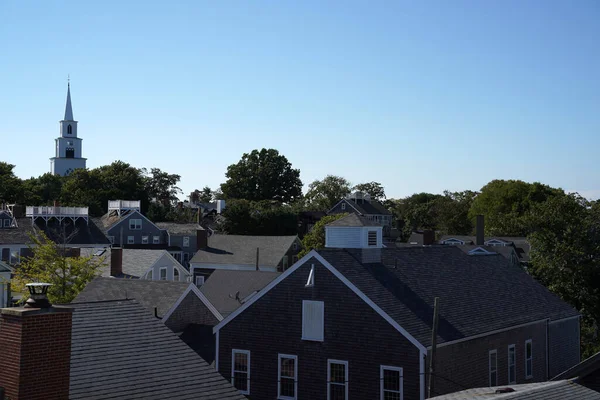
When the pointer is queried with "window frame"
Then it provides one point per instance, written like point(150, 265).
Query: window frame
point(369, 232)
point(130, 239)
point(343, 206)
point(514, 364)
point(247, 353)
point(7, 223)
point(329, 363)
point(294, 246)
point(304, 336)
point(133, 226)
point(145, 239)
point(495, 353)
point(155, 239)
point(186, 241)
point(381, 382)
point(529, 359)
point(150, 275)
point(196, 280)
point(160, 272)
point(176, 274)
point(281, 356)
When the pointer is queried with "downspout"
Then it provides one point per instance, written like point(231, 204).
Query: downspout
point(547, 349)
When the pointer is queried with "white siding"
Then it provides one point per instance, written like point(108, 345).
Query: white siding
point(344, 237)
point(167, 261)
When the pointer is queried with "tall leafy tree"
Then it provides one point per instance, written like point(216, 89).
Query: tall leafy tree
point(42, 190)
point(374, 189)
point(323, 194)
point(565, 257)
point(452, 212)
point(10, 185)
point(162, 186)
point(315, 239)
point(505, 203)
point(51, 264)
point(244, 217)
point(263, 175)
point(205, 195)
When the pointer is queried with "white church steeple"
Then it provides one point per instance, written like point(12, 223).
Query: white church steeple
point(68, 152)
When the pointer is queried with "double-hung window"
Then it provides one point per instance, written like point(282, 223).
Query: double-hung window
point(287, 376)
point(493, 370)
point(390, 383)
point(186, 241)
point(313, 319)
point(163, 274)
point(130, 239)
point(337, 380)
point(175, 274)
point(144, 239)
point(240, 370)
point(156, 239)
point(512, 371)
point(7, 222)
point(528, 359)
point(135, 224)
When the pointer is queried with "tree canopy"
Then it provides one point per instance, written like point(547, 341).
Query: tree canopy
point(315, 239)
point(323, 194)
point(263, 175)
point(244, 217)
point(50, 264)
point(374, 189)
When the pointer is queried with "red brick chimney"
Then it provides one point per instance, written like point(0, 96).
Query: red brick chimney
point(35, 344)
point(116, 261)
point(201, 239)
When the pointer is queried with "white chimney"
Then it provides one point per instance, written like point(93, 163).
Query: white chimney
point(220, 206)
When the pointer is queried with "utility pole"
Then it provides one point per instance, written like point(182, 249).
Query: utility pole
point(434, 331)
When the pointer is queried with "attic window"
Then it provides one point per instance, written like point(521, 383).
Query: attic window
point(343, 206)
point(372, 239)
point(7, 222)
point(495, 242)
point(453, 242)
point(311, 277)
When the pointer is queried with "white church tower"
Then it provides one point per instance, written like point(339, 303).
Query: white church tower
point(68, 145)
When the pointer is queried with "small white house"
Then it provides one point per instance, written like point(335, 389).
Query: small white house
point(5, 276)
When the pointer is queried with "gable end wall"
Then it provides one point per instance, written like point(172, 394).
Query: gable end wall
point(190, 311)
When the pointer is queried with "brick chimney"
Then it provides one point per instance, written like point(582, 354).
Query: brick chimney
point(201, 239)
point(35, 344)
point(428, 237)
point(116, 261)
point(480, 231)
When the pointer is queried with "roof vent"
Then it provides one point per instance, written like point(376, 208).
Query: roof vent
point(38, 295)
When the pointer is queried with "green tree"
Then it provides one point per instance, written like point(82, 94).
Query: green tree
point(10, 185)
point(162, 186)
point(50, 264)
point(323, 194)
point(315, 239)
point(203, 196)
point(565, 257)
point(374, 189)
point(244, 217)
point(418, 211)
point(263, 175)
point(505, 203)
point(43, 190)
point(83, 188)
point(452, 212)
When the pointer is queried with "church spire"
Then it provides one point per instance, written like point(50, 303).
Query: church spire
point(68, 109)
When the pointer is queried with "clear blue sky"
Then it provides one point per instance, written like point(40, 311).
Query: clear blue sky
point(418, 95)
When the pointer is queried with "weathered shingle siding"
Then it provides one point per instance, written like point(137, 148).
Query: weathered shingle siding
point(354, 332)
point(338, 209)
point(563, 351)
point(148, 229)
point(190, 311)
point(466, 364)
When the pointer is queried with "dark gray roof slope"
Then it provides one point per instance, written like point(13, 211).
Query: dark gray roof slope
point(241, 249)
point(561, 390)
point(135, 261)
point(119, 351)
point(223, 283)
point(76, 233)
point(151, 294)
point(353, 220)
point(179, 229)
point(477, 294)
point(521, 244)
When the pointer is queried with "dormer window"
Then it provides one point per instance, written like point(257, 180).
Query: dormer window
point(495, 242)
point(453, 242)
point(372, 239)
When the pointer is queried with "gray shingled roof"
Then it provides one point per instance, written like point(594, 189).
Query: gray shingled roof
point(478, 294)
point(241, 249)
point(353, 220)
point(179, 229)
point(5, 267)
point(566, 389)
point(78, 233)
point(151, 294)
point(135, 261)
point(521, 244)
point(365, 207)
point(223, 283)
point(119, 351)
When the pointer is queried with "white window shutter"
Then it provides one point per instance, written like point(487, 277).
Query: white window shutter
point(313, 317)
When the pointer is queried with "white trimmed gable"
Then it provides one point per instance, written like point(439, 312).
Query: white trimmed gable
point(453, 241)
